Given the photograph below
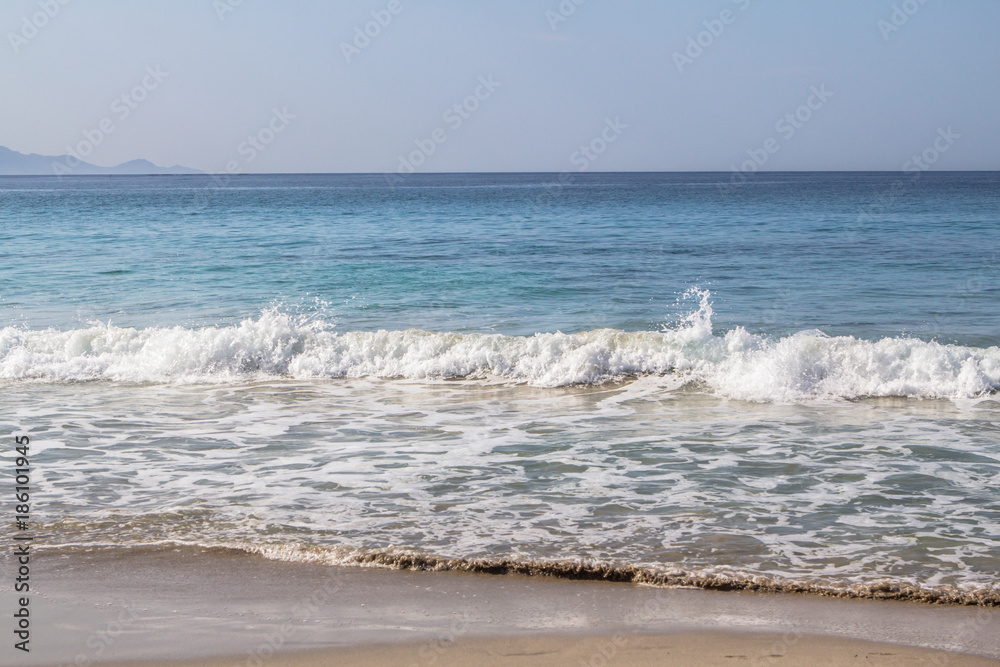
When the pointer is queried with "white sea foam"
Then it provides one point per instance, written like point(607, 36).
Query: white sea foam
point(633, 475)
point(738, 364)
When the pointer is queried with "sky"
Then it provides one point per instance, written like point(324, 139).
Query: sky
point(257, 86)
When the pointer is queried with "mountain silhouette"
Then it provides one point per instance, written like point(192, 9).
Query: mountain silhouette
point(13, 163)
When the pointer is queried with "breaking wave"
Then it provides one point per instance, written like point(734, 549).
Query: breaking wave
point(737, 364)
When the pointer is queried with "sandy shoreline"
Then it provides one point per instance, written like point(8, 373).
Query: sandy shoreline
point(689, 648)
point(228, 608)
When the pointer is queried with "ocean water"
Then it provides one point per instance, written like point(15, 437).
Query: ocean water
point(789, 384)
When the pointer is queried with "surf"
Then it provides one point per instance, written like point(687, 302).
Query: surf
point(738, 364)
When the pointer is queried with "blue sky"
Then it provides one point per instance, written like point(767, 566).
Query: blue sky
point(893, 78)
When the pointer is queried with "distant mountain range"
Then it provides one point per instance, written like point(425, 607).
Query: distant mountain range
point(13, 163)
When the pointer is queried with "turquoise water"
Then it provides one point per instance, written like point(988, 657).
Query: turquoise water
point(790, 380)
point(509, 253)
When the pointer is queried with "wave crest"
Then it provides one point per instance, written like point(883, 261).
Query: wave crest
point(737, 364)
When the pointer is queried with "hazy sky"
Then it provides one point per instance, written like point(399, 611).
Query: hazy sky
point(885, 79)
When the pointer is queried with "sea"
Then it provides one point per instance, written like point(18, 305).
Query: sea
point(786, 382)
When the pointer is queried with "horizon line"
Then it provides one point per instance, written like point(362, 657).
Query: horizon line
point(507, 173)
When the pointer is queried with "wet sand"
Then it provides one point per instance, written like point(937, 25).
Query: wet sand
point(219, 607)
point(647, 650)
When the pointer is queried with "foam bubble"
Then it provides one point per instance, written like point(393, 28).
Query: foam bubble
point(738, 364)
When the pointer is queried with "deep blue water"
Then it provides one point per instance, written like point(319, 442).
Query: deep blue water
point(509, 253)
